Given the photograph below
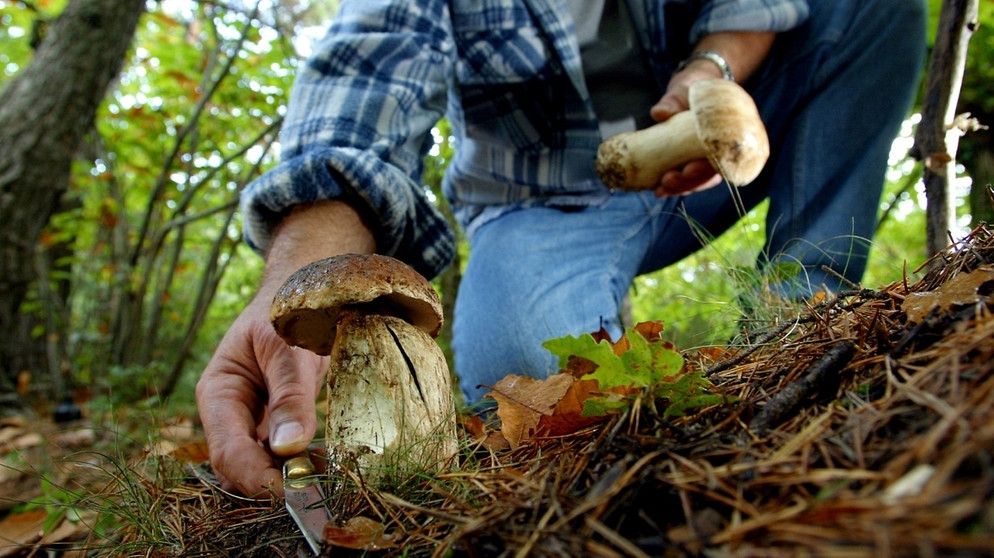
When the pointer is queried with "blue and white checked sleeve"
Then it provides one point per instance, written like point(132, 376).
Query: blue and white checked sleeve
point(357, 129)
point(748, 15)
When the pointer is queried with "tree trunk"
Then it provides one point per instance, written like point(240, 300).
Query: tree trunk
point(981, 169)
point(976, 150)
point(45, 111)
point(937, 138)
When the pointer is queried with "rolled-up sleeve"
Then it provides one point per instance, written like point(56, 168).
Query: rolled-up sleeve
point(358, 127)
point(749, 15)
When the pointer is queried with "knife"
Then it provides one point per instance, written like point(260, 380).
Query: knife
point(305, 500)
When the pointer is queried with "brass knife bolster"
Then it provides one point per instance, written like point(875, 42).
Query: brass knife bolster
point(305, 501)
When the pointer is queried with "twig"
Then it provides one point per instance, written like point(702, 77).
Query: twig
point(790, 398)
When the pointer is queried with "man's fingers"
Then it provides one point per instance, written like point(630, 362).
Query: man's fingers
point(693, 177)
point(666, 107)
point(248, 469)
point(292, 378)
point(226, 403)
point(255, 378)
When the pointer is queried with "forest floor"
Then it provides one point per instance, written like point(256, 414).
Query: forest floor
point(861, 426)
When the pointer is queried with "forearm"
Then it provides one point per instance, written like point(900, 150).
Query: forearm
point(744, 51)
point(311, 232)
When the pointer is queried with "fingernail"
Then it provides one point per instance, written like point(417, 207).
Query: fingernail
point(287, 434)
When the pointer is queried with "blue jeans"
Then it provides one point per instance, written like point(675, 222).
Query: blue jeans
point(832, 93)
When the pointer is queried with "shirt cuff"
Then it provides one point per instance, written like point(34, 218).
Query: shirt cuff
point(405, 223)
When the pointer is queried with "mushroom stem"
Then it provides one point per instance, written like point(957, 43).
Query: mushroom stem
point(389, 395)
point(637, 160)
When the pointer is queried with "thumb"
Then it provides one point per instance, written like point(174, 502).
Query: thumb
point(292, 386)
point(666, 107)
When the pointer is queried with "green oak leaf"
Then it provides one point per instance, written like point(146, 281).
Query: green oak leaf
point(653, 367)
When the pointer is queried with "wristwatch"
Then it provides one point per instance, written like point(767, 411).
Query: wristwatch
point(719, 60)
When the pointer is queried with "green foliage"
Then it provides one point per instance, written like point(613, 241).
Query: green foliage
point(59, 502)
point(22, 27)
point(654, 368)
point(150, 221)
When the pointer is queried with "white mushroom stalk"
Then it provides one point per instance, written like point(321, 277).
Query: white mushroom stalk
point(722, 125)
point(389, 388)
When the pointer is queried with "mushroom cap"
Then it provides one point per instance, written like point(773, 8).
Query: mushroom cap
point(730, 128)
point(306, 309)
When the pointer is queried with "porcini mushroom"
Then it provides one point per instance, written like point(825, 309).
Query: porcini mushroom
point(722, 125)
point(389, 387)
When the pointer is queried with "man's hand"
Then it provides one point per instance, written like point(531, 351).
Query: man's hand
point(256, 395)
point(744, 51)
point(257, 389)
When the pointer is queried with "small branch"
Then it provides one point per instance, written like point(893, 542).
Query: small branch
point(787, 401)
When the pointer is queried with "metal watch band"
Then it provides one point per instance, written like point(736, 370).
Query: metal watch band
point(719, 60)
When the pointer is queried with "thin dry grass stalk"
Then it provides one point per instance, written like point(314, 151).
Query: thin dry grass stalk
point(882, 444)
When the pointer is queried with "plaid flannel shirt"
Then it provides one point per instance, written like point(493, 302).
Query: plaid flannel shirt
point(508, 75)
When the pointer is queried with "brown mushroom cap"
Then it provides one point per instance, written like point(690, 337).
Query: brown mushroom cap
point(730, 128)
point(306, 309)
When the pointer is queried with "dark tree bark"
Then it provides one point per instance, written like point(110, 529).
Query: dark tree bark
point(976, 150)
point(936, 139)
point(45, 111)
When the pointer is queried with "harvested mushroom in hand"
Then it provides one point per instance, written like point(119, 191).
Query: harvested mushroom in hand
point(389, 387)
point(722, 126)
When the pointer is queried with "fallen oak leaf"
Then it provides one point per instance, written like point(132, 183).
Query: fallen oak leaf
point(490, 439)
point(598, 378)
point(21, 530)
point(601, 335)
point(961, 290)
point(651, 330)
point(473, 425)
point(359, 533)
point(191, 452)
point(530, 407)
point(568, 416)
point(522, 401)
point(635, 364)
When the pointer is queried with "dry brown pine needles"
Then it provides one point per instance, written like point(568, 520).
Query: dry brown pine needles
point(856, 433)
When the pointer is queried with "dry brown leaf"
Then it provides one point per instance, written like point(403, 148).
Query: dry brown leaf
point(15, 421)
point(359, 533)
point(64, 531)
point(568, 417)
point(496, 441)
point(963, 289)
point(529, 407)
point(180, 429)
point(76, 438)
point(522, 401)
point(490, 439)
point(8, 434)
point(21, 529)
point(193, 452)
point(651, 330)
point(27, 440)
point(473, 425)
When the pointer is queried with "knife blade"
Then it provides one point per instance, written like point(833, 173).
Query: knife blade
point(305, 500)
